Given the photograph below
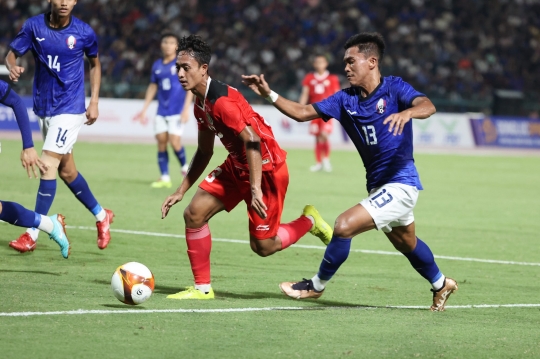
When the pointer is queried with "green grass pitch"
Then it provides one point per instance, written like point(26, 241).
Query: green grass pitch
point(472, 207)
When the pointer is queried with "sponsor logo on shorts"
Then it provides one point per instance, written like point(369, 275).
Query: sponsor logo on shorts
point(263, 227)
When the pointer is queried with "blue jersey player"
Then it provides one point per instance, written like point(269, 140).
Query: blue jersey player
point(12, 212)
point(173, 109)
point(376, 112)
point(59, 42)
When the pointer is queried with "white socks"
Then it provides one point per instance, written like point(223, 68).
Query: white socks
point(205, 288)
point(318, 283)
point(46, 225)
point(33, 232)
point(101, 215)
point(439, 283)
point(166, 178)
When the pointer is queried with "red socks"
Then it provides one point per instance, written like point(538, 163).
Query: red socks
point(199, 243)
point(318, 152)
point(322, 150)
point(290, 233)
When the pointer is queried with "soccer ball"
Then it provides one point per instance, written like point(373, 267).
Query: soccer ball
point(132, 283)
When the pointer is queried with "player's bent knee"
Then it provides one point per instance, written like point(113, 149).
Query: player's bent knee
point(193, 219)
point(342, 228)
point(52, 163)
point(68, 175)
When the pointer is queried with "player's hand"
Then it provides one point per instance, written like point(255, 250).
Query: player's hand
point(257, 202)
point(397, 122)
point(169, 202)
point(15, 72)
point(184, 117)
point(257, 84)
point(92, 113)
point(141, 118)
point(30, 160)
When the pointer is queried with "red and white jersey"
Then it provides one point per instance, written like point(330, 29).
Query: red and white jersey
point(321, 86)
point(226, 112)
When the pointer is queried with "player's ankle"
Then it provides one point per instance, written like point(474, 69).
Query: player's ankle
point(205, 288)
point(318, 283)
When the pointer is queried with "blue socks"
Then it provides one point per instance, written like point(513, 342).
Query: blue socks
point(181, 155)
point(336, 253)
point(422, 260)
point(17, 215)
point(163, 162)
point(80, 189)
point(45, 196)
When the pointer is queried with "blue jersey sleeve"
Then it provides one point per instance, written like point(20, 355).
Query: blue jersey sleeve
point(23, 41)
point(406, 94)
point(153, 78)
point(330, 107)
point(90, 43)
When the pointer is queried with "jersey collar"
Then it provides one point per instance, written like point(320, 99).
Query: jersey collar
point(362, 99)
point(321, 77)
point(205, 94)
point(46, 18)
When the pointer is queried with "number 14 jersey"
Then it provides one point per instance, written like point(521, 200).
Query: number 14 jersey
point(59, 57)
point(387, 158)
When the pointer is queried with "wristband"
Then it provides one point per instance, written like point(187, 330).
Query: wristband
point(272, 97)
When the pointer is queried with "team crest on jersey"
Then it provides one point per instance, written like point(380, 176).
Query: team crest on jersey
point(381, 106)
point(71, 41)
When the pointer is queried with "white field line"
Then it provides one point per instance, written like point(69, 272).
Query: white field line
point(263, 309)
point(365, 251)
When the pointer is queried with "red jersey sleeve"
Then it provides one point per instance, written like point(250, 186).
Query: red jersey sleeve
point(231, 114)
point(306, 80)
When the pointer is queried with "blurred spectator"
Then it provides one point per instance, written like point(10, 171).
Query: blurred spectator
point(453, 49)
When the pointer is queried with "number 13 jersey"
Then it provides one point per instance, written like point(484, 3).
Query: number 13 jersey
point(387, 158)
point(59, 58)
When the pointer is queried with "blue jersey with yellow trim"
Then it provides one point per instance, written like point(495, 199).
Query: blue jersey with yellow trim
point(387, 158)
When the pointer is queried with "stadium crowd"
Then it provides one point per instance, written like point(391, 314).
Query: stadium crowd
point(450, 48)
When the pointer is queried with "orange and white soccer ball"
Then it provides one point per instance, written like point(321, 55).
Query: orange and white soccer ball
point(132, 283)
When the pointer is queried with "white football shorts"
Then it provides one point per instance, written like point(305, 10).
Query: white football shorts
point(169, 124)
point(60, 132)
point(391, 205)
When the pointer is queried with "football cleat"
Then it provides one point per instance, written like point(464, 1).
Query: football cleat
point(185, 169)
point(320, 228)
point(161, 184)
point(192, 293)
point(103, 229)
point(59, 235)
point(316, 168)
point(300, 290)
point(24, 243)
point(327, 167)
point(441, 296)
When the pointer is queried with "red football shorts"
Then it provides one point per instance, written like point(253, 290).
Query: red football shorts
point(317, 126)
point(231, 186)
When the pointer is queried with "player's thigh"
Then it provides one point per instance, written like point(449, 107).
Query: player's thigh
point(222, 185)
point(61, 132)
point(353, 221)
point(391, 205)
point(161, 126)
point(175, 126)
point(403, 238)
point(201, 208)
point(315, 126)
point(274, 186)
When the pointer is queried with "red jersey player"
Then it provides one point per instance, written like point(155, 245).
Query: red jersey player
point(255, 172)
point(316, 87)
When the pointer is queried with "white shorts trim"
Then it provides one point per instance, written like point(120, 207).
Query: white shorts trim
point(391, 205)
point(60, 132)
point(169, 124)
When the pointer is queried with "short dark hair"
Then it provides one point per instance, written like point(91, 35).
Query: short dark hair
point(368, 43)
point(169, 34)
point(196, 48)
point(319, 54)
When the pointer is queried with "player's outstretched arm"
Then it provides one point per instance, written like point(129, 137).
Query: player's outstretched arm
point(11, 63)
point(294, 110)
point(201, 158)
point(92, 111)
point(421, 108)
point(252, 143)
